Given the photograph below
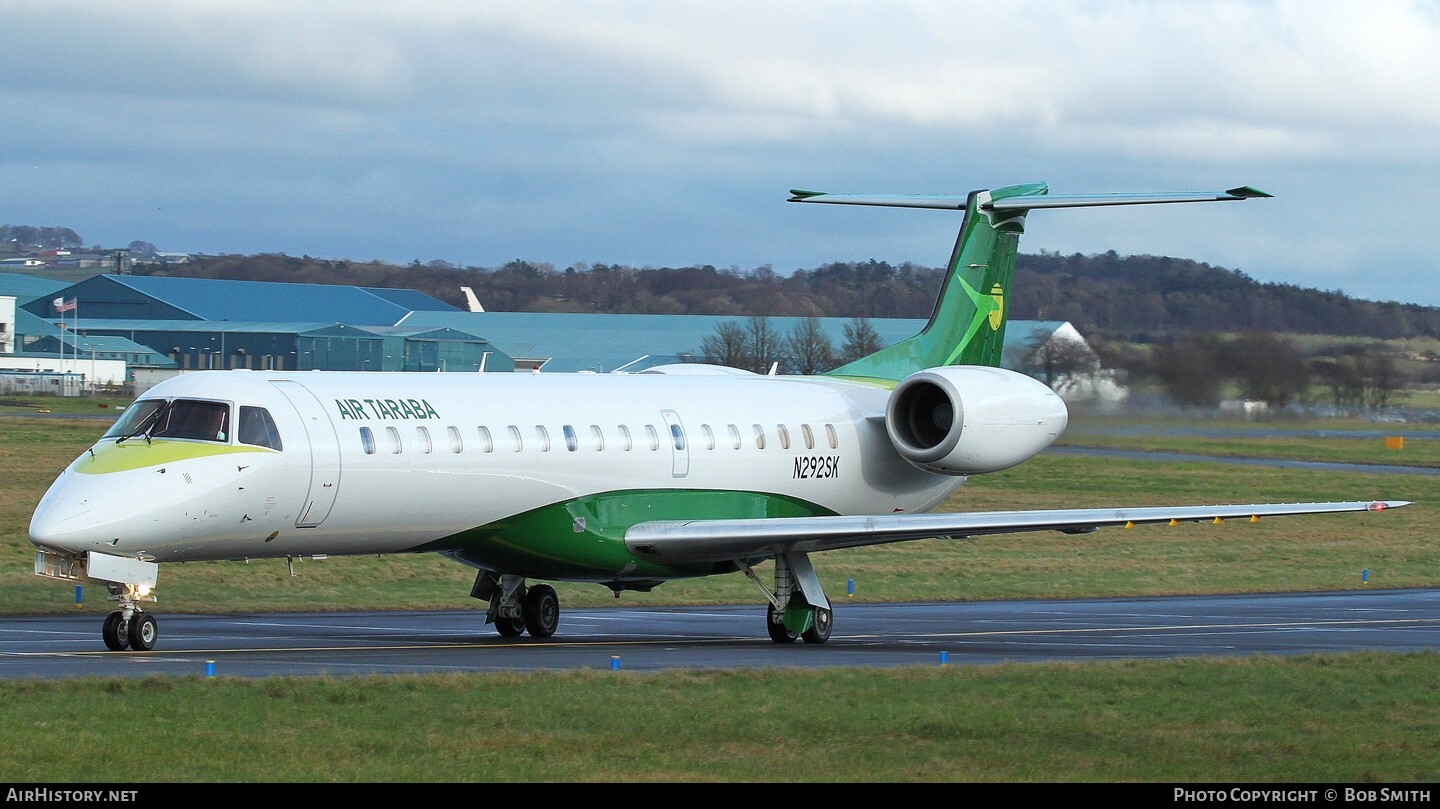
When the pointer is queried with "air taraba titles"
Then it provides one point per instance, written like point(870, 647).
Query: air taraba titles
point(392, 409)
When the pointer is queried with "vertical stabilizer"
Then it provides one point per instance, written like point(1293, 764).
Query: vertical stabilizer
point(967, 326)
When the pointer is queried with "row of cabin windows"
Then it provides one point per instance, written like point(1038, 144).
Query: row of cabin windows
point(625, 440)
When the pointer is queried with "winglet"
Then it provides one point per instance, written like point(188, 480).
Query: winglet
point(1246, 192)
point(797, 194)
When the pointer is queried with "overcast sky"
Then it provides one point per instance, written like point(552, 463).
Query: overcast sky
point(668, 133)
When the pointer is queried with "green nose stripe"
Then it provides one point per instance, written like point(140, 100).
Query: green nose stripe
point(137, 454)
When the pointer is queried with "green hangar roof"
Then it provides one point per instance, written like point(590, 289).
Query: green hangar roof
point(26, 288)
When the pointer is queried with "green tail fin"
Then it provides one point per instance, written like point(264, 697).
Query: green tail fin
point(967, 326)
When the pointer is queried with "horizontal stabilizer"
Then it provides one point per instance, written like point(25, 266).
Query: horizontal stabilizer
point(957, 202)
point(723, 540)
point(1093, 200)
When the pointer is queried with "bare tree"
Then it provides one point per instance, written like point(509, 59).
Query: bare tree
point(1382, 379)
point(810, 349)
point(763, 345)
point(861, 340)
point(726, 346)
point(1189, 371)
point(1267, 367)
point(1361, 378)
point(1059, 362)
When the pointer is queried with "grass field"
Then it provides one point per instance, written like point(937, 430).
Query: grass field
point(1359, 717)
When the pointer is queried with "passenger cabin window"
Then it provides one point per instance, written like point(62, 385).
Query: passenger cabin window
point(784, 436)
point(709, 436)
point(455, 443)
point(830, 434)
point(678, 436)
point(423, 436)
point(653, 436)
point(367, 440)
point(625, 439)
point(599, 437)
point(572, 443)
point(487, 444)
point(734, 437)
point(544, 436)
point(515, 438)
point(394, 436)
point(808, 435)
point(258, 428)
point(759, 437)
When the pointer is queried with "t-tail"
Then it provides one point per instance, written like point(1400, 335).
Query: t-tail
point(968, 324)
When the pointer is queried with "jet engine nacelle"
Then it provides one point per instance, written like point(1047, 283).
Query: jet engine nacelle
point(967, 420)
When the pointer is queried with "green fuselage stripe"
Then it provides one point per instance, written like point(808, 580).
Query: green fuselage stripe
point(584, 538)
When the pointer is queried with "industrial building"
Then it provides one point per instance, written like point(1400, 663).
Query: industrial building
point(172, 325)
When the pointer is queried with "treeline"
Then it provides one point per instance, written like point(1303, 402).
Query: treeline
point(30, 236)
point(1202, 368)
point(1143, 298)
point(1132, 298)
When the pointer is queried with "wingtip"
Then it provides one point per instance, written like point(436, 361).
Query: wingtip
point(800, 194)
point(1247, 192)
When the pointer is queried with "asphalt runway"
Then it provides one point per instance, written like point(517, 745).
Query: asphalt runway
point(640, 639)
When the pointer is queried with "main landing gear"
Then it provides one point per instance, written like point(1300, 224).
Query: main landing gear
point(515, 608)
point(129, 627)
point(798, 606)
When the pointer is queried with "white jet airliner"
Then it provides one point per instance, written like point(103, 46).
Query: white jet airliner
point(624, 480)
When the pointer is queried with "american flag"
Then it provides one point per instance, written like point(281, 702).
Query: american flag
point(62, 305)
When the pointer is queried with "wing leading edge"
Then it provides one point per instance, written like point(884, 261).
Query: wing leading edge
point(689, 541)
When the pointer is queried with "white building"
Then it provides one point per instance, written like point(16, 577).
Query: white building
point(7, 324)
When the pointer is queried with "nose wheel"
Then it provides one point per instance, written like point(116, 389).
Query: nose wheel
point(138, 632)
point(129, 627)
point(116, 639)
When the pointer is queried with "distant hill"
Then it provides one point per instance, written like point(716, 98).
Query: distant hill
point(1142, 297)
point(1139, 298)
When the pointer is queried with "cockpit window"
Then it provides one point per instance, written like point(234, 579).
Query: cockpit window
point(133, 417)
point(258, 428)
point(202, 421)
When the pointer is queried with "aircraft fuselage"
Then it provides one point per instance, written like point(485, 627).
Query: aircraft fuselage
point(536, 474)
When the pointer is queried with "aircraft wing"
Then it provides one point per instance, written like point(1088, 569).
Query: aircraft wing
point(689, 541)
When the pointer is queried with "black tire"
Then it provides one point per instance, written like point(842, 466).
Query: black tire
point(143, 632)
point(819, 630)
point(114, 632)
point(510, 627)
point(542, 611)
point(776, 625)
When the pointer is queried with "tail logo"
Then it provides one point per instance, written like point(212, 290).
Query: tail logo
point(997, 313)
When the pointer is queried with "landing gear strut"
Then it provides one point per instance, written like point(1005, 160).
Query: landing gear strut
point(515, 608)
point(798, 606)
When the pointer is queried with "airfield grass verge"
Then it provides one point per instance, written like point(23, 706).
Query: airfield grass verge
point(1319, 718)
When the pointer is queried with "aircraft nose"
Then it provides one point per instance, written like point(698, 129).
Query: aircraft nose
point(57, 523)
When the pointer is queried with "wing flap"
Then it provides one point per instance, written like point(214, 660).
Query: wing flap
point(689, 541)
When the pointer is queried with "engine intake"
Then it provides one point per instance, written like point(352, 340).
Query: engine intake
point(967, 420)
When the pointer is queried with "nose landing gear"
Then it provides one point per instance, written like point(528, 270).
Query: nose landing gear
point(129, 627)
